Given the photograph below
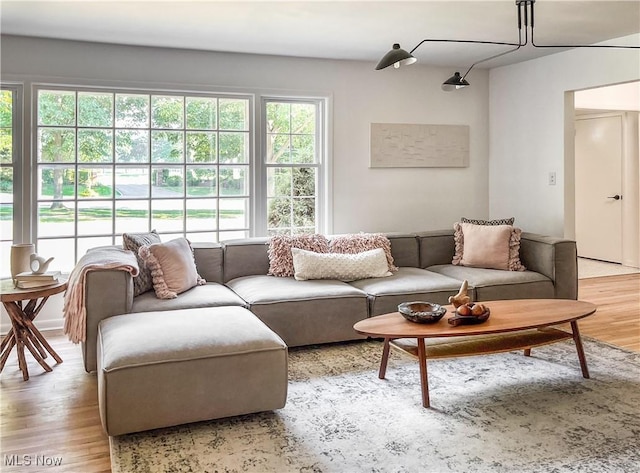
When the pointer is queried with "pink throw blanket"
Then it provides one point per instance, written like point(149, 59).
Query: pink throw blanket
point(75, 312)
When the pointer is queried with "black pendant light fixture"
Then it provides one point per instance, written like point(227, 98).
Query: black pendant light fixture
point(454, 82)
point(399, 57)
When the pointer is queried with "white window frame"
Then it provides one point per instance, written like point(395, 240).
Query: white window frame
point(321, 164)
point(17, 164)
point(115, 237)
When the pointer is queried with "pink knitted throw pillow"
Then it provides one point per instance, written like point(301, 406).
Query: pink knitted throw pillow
point(279, 252)
point(359, 242)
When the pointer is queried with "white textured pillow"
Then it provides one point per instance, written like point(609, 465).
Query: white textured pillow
point(344, 267)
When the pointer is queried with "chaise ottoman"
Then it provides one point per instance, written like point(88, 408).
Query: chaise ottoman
point(158, 369)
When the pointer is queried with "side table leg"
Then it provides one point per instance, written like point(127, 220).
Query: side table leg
point(30, 346)
point(12, 343)
point(424, 382)
point(42, 340)
point(385, 359)
point(6, 340)
point(26, 319)
point(22, 361)
point(578, 341)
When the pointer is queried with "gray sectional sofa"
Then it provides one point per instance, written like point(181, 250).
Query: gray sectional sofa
point(323, 311)
point(221, 349)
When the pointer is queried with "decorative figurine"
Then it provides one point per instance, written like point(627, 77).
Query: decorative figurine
point(461, 297)
point(38, 264)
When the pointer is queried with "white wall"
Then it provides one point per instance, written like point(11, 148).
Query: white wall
point(617, 97)
point(362, 199)
point(527, 130)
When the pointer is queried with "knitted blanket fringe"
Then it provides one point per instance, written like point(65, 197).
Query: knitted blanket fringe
point(74, 310)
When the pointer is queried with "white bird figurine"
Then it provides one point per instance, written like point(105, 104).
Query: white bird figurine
point(38, 264)
point(461, 297)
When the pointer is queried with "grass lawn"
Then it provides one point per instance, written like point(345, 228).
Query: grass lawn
point(67, 215)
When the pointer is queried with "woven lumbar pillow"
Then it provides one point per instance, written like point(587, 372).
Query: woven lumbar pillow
point(491, 246)
point(498, 221)
point(279, 252)
point(343, 267)
point(172, 267)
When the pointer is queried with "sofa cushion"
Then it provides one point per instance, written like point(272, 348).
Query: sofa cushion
point(272, 290)
point(209, 260)
point(435, 247)
point(245, 257)
point(495, 284)
point(141, 339)
point(304, 312)
point(407, 284)
point(404, 249)
point(209, 295)
point(158, 369)
point(344, 267)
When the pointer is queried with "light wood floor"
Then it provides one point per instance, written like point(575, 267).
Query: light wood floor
point(56, 414)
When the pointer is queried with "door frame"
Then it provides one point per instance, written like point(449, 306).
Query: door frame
point(630, 177)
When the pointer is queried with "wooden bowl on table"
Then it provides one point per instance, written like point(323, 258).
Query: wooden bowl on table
point(422, 312)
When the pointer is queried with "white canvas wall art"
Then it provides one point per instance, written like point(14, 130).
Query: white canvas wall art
point(402, 145)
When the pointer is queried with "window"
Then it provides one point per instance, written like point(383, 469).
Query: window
point(293, 160)
point(9, 152)
point(110, 162)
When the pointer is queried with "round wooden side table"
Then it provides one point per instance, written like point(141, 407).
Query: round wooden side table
point(23, 332)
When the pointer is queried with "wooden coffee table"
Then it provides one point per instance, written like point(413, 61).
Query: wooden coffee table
point(513, 325)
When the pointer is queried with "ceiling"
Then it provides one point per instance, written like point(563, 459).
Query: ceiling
point(319, 29)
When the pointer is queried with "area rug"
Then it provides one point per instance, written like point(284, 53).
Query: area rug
point(493, 413)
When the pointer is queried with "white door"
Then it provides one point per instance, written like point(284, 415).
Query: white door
point(598, 148)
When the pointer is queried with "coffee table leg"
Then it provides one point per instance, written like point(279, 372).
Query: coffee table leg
point(424, 382)
point(578, 341)
point(527, 352)
point(385, 359)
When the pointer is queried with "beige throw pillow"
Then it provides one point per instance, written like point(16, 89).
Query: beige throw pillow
point(172, 267)
point(486, 246)
point(343, 267)
point(514, 245)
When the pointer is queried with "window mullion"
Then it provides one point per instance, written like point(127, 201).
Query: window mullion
point(135, 174)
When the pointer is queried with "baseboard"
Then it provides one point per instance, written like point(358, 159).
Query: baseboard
point(50, 318)
point(42, 325)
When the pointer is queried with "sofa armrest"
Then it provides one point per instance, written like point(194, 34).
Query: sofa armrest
point(556, 258)
point(107, 293)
